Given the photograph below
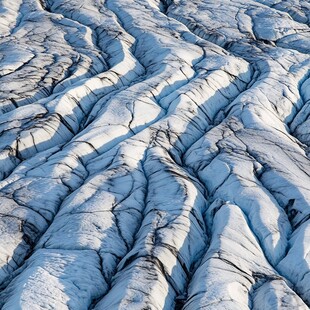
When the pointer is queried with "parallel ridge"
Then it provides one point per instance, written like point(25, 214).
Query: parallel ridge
point(154, 154)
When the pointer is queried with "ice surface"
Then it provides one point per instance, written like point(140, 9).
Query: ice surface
point(154, 154)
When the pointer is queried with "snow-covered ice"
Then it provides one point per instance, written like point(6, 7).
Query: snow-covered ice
point(154, 154)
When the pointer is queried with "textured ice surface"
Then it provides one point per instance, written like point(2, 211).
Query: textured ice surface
point(154, 154)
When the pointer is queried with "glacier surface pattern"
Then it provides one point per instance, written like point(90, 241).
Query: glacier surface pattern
point(155, 154)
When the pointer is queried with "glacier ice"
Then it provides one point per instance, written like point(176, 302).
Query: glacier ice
point(154, 154)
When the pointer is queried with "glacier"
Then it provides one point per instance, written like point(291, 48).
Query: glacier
point(154, 154)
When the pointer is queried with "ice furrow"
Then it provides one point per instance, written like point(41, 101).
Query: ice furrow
point(224, 152)
point(298, 10)
point(170, 123)
point(244, 279)
point(45, 62)
point(71, 105)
